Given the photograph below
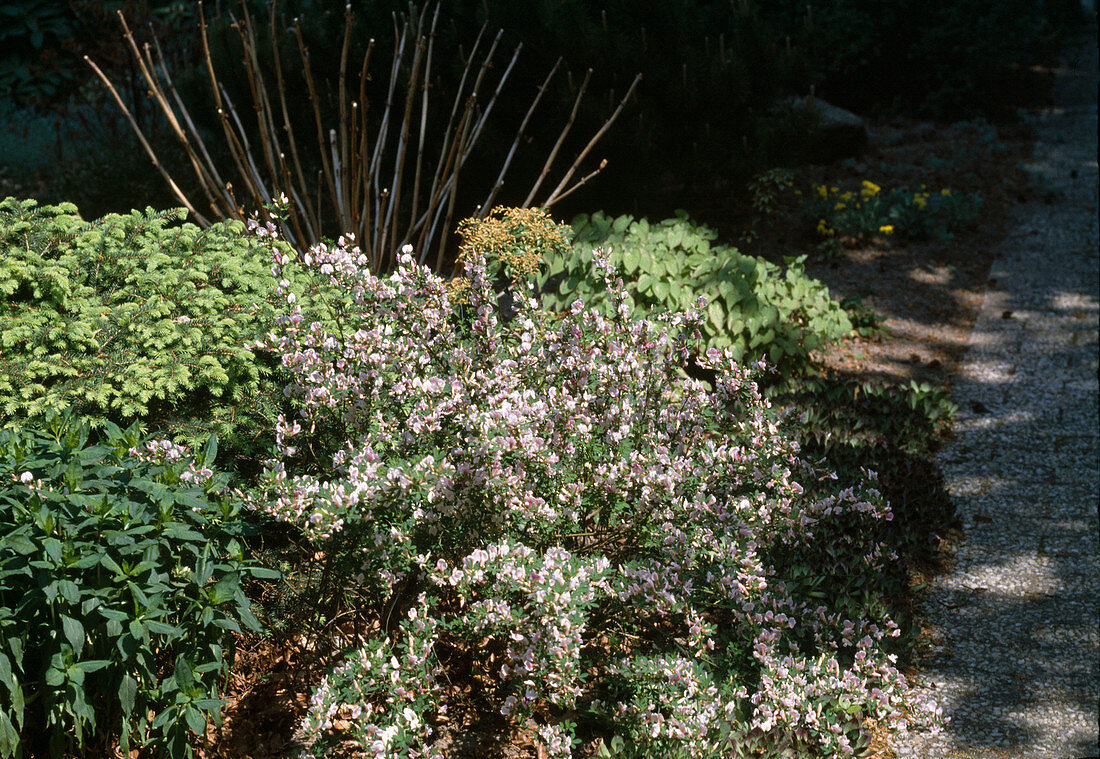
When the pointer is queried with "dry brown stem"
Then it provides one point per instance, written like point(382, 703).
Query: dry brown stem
point(363, 174)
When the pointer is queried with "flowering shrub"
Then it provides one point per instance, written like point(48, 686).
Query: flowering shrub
point(548, 504)
point(870, 212)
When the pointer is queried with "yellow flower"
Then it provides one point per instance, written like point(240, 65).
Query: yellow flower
point(823, 191)
point(920, 200)
point(870, 189)
point(945, 191)
point(887, 229)
point(824, 229)
point(838, 206)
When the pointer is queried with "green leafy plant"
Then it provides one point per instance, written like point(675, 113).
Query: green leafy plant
point(866, 322)
point(31, 33)
point(862, 426)
point(755, 308)
point(131, 318)
point(767, 190)
point(120, 591)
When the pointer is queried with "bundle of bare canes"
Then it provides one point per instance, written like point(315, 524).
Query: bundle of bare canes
point(361, 185)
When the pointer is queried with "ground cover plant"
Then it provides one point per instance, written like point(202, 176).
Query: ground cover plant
point(121, 568)
point(850, 217)
point(547, 506)
point(755, 308)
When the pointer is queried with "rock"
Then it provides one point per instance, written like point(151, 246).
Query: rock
point(835, 133)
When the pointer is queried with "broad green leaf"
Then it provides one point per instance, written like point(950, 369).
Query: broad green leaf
point(19, 543)
point(52, 547)
point(714, 311)
point(210, 451)
point(54, 677)
point(127, 693)
point(675, 236)
point(74, 633)
point(204, 568)
point(5, 672)
point(108, 563)
point(184, 675)
point(92, 665)
point(263, 573)
point(9, 738)
point(162, 628)
point(630, 259)
point(69, 591)
point(195, 719)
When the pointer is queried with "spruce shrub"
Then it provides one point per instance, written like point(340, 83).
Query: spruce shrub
point(136, 318)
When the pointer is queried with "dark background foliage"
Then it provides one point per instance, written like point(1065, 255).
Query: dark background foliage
point(706, 116)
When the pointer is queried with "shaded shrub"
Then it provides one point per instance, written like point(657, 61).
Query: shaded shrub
point(943, 60)
point(120, 572)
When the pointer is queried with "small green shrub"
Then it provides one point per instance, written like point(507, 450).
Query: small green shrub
point(833, 411)
point(130, 318)
point(866, 322)
point(120, 572)
point(754, 307)
point(862, 426)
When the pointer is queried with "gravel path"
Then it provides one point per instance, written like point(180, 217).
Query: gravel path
point(1015, 624)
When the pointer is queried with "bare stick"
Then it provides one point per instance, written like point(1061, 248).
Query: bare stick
point(554, 196)
point(209, 179)
point(424, 87)
point(561, 138)
point(488, 204)
point(145, 144)
point(302, 204)
point(393, 212)
point(580, 182)
point(326, 167)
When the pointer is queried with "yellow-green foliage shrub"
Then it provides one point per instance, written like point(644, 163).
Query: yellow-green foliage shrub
point(135, 318)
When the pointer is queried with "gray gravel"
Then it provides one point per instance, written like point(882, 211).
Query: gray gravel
point(1016, 641)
